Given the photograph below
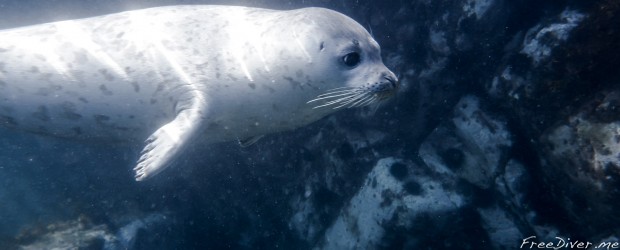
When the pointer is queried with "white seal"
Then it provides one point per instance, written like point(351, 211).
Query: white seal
point(175, 74)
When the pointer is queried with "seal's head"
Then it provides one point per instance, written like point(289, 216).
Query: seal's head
point(354, 74)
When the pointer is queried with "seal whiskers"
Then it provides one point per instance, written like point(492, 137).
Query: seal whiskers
point(351, 97)
point(341, 94)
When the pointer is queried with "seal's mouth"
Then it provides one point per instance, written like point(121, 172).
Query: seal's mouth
point(351, 97)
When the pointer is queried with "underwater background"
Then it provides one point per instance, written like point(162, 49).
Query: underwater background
point(507, 126)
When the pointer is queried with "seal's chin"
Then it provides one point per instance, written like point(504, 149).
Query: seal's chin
point(351, 97)
point(385, 94)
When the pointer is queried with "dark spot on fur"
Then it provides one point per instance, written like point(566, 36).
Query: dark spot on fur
point(271, 90)
point(41, 113)
point(132, 117)
point(136, 87)
point(153, 101)
point(3, 84)
point(294, 84)
point(252, 85)
point(232, 77)
point(200, 66)
point(82, 99)
point(105, 90)
point(322, 46)
point(119, 35)
point(106, 74)
point(160, 87)
point(2, 50)
point(299, 73)
point(34, 69)
point(69, 111)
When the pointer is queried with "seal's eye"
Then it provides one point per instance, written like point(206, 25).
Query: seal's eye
point(352, 59)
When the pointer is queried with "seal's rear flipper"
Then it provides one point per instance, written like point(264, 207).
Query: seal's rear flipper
point(165, 144)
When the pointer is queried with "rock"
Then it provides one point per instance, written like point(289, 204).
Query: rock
point(500, 226)
point(540, 41)
point(386, 199)
point(514, 184)
point(84, 234)
point(472, 146)
point(582, 164)
point(77, 234)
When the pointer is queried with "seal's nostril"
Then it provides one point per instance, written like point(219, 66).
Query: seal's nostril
point(393, 82)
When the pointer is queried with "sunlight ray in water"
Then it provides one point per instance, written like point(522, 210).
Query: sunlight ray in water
point(83, 39)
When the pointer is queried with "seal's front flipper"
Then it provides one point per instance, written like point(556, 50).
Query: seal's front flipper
point(165, 144)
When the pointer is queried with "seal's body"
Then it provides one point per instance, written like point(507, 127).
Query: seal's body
point(181, 73)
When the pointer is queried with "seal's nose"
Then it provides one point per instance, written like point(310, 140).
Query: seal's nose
point(388, 86)
point(392, 79)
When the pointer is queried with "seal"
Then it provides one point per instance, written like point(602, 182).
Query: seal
point(177, 74)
